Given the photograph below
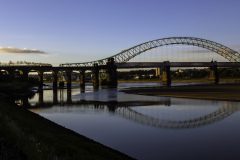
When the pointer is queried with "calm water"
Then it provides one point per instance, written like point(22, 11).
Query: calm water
point(147, 127)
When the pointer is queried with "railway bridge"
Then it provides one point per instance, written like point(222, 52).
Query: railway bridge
point(120, 61)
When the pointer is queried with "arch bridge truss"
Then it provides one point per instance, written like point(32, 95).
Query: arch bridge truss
point(132, 52)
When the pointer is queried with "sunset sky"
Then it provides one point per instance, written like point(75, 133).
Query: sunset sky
point(59, 31)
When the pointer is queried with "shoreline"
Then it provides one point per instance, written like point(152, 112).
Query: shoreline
point(201, 80)
point(27, 135)
point(38, 138)
point(222, 92)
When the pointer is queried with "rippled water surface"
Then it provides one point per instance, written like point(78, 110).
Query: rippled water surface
point(147, 127)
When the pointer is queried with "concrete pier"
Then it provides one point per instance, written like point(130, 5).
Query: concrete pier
point(55, 79)
point(95, 76)
point(82, 80)
point(111, 72)
point(166, 74)
point(213, 75)
point(69, 79)
point(40, 75)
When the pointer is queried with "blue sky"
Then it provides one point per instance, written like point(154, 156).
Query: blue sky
point(85, 30)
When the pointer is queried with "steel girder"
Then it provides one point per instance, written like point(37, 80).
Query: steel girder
point(132, 52)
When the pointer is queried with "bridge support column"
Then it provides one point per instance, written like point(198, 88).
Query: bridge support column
point(214, 76)
point(111, 73)
point(55, 79)
point(82, 80)
point(55, 87)
point(69, 79)
point(166, 74)
point(69, 86)
point(40, 75)
point(95, 76)
point(159, 72)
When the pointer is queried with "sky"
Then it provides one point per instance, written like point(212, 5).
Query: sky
point(62, 31)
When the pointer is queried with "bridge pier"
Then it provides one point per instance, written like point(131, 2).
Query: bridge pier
point(82, 80)
point(95, 76)
point(111, 73)
point(159, 72)
point(214, 76)
point(69, 79)
point(55, 86)
point(40, 75)
point(166, 74)
point(55, 79)
point(69, 86)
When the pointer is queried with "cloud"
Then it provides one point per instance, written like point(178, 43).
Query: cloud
point(21, 51)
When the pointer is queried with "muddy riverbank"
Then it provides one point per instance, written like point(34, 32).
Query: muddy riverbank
point(224, 92)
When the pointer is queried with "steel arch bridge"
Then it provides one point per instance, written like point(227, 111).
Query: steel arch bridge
point(126, 55)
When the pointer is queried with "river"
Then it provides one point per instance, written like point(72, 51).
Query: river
point(147, 127)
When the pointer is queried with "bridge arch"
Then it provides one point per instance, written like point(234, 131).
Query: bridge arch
point(126, 55)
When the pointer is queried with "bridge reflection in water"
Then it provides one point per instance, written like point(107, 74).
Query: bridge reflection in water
point(130, 110)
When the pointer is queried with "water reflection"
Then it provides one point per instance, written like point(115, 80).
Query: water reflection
point(40, 97)
point(130, 109)
point(55, 96)
point(69, 96)
point(146, 127)
point(215, 116)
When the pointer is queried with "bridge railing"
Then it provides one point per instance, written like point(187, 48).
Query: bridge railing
point(16, 65)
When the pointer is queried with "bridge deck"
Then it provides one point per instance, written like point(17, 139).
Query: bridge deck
point(122, 66)
point(175, 64)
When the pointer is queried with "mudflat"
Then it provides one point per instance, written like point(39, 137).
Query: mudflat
point(229, 92)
